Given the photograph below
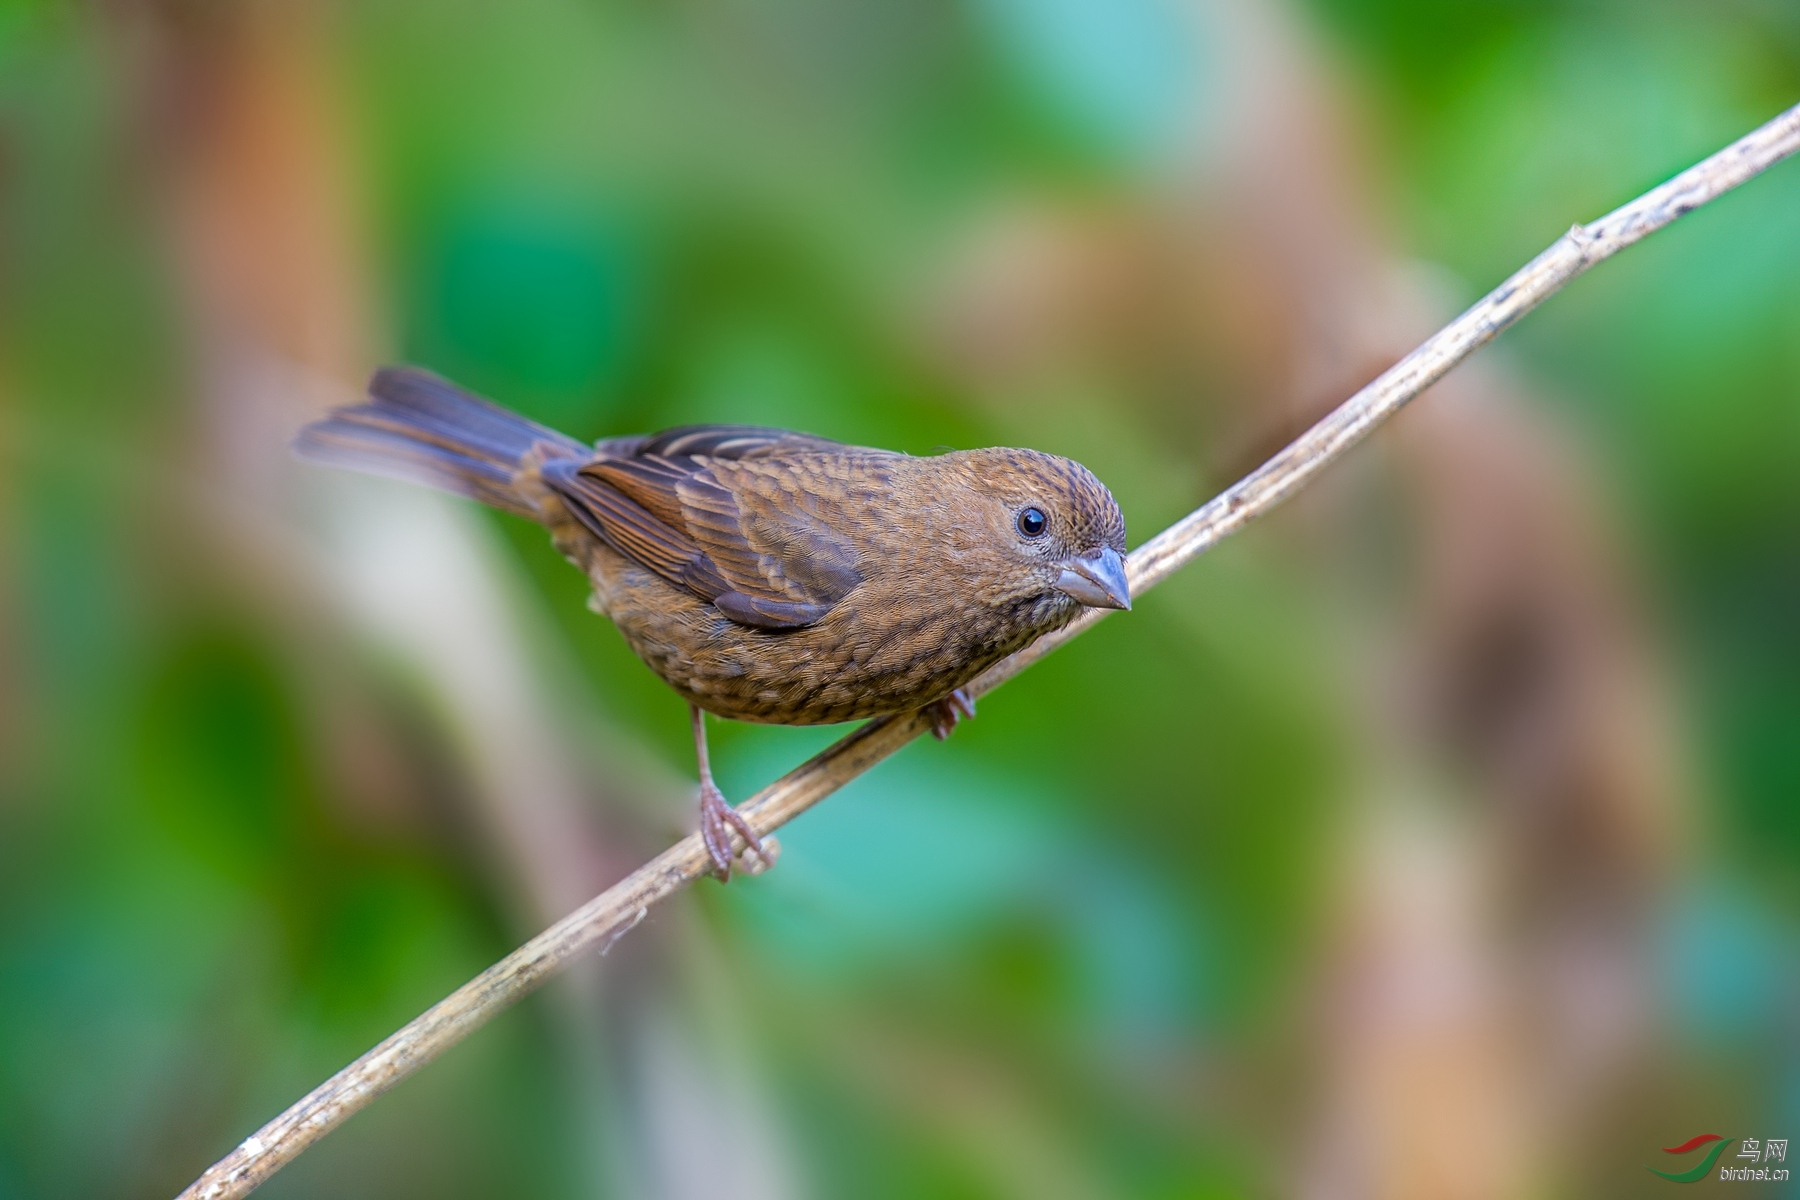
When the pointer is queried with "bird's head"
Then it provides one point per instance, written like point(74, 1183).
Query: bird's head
point(1053, 528)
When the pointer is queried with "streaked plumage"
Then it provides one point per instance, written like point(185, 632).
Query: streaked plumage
point(766, 575)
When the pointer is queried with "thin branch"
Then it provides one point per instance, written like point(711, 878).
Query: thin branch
point(596, 924)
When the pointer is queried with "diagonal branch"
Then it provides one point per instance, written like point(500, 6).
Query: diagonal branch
point(622, 906)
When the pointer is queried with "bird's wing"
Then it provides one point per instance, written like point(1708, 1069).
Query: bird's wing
point(728, 442)
point(631, 529)
point(775, 528)
point(732, 513)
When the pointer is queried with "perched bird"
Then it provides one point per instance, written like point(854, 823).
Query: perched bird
point(766, 575)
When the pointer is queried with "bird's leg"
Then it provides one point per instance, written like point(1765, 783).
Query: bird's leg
point(947, 712)
point(717, 817)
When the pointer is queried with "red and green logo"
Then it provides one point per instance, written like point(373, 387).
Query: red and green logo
point(1699, 1170)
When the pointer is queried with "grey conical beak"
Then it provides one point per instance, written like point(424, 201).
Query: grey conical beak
point(1097, 579)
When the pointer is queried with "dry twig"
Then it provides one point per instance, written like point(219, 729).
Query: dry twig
point(608, 916)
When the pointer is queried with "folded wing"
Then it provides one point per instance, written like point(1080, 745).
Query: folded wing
point(741, 516)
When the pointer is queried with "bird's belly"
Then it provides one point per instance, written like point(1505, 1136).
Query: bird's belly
point(858, 662)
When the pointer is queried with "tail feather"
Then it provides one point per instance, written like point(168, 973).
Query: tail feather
point(424, 429)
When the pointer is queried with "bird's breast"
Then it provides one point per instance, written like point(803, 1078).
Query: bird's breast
point(895, 643)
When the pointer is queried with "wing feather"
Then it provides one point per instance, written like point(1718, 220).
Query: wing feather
point(633, 531)
point(650, 480)
point(733, 442)
point(770, 532)
point(725, 511)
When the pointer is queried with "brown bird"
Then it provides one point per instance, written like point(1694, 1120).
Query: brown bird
point(766, 575)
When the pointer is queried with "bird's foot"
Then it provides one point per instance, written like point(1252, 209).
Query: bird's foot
point(717, 821)
point(947, 712)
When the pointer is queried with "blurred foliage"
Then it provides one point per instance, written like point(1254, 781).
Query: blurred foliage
point(995, 961)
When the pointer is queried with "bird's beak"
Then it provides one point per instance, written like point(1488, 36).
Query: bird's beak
point(1097, 579)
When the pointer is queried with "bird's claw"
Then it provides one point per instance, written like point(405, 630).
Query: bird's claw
point(717, 821)
point(947, 712)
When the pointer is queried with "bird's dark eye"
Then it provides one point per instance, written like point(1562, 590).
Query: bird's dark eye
point(1033, 522)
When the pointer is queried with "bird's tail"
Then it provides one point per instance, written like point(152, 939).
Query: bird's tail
point(418, 427)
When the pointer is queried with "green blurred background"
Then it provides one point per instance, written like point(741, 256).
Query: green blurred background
point(1434, 838)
